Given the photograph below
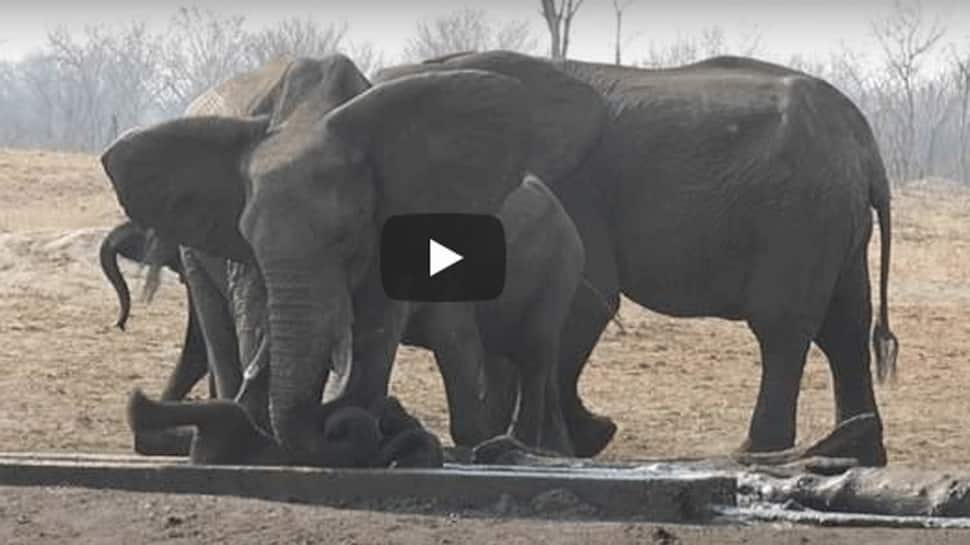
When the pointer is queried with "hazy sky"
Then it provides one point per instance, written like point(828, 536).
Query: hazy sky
point(786, 27)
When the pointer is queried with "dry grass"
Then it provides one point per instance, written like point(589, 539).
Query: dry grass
point(676, 387)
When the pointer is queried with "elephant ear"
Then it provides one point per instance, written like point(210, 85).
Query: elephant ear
point(453, 141)
point(568, 114)
point(313, 87)
point(184, 179)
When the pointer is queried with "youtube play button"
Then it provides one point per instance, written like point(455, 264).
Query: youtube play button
point(443, 257)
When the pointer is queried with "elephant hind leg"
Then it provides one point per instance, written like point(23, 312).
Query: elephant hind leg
point(538, 420)
point(784, 346)
point(843, 338)
point(588, 317)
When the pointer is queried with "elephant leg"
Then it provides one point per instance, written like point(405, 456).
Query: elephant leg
point(454, 336)
point(844, 339)
point(595, 302)
point(379, 325)
point(783, 350)
point(215, 320)
point(588, 317)
point(539, 417)
point(192, 364)
point(247, 303)
point(501, 393)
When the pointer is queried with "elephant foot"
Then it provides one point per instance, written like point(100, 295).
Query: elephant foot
point(591, 434)
point(507, 450)
point(167, 442)
point(857, 438)
point(458, 454)
point(873, 456)
point(500, 449)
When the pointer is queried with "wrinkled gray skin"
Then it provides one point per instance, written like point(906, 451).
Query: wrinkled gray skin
point(295, 179)
point(513, 340)
point(132, 242)
point(730, 188)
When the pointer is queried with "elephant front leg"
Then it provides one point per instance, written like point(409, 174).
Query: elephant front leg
point(247, 301)
point(215, 321)
point(378, 327)
point(453, 334)
point(783, 351)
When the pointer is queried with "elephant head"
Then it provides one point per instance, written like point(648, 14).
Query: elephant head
point(303, 193)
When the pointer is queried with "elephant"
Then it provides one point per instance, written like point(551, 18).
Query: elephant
point(730, 188)
point(291, 171)
point(131, 241)
point(226, 434)
point(503, 338)
point(513, 340)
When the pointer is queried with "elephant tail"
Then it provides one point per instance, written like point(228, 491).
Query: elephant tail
point(108, 254)
point(884, 342)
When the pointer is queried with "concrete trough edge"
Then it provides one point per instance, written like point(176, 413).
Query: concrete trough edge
point(612, 494)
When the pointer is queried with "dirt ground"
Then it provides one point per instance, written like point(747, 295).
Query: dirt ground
point(675, 387)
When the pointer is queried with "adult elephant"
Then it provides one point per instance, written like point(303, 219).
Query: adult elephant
point(731, 188)
point(294, 178)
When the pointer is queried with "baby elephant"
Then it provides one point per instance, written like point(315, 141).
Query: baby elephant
point(226, 434)
point(507, 350)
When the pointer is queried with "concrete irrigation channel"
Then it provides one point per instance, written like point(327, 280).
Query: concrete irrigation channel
point(701, 491)
point(687, 495)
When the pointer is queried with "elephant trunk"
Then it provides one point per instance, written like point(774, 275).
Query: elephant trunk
point(111, 246)
point(308, 316)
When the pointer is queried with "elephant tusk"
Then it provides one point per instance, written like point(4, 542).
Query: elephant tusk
point(255, 367)
point(341, 360)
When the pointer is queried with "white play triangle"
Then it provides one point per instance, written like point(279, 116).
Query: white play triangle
point(440, 257)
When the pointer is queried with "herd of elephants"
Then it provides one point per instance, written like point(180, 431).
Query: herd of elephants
point(728, 188)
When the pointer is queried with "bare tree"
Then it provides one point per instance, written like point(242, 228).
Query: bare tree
point(907, 40)
point(619, 6)
point(133, 88)
point(559, 19)
point(467, 30)
point(203, 48)
point(961, 73)
point(295, 37)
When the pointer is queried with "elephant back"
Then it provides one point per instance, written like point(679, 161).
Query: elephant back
point(246, 94)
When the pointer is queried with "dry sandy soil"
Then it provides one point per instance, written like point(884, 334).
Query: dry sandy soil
point(675, 387)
